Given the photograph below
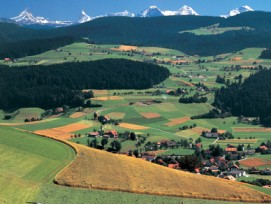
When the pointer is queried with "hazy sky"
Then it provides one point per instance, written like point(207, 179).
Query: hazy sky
point(71, 9)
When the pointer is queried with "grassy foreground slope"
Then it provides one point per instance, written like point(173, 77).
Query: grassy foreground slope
point(27, 161)
point(102, 170)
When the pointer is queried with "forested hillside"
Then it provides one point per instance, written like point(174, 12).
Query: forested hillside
point(160, 32)
point(56, 85)
point(252, 98)
point(31, 47)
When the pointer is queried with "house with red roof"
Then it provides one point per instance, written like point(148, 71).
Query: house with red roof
point(111, 134)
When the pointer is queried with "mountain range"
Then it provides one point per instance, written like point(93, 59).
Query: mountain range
point(27, 18)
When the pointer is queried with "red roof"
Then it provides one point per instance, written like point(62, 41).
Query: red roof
point(106, 117)
point(198, 145)
point(263, 147)
point(7, 59)
point(113, 132)
point(93, 133)
point(231, 149)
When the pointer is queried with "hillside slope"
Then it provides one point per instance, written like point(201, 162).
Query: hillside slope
point(102, 170)
point(254, 30)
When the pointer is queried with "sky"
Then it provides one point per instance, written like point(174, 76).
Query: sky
point(71, 9)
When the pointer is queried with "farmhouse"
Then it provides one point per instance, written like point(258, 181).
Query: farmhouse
point(93, 134)
point(211, 135)
point(111, 134)
point(7, 59)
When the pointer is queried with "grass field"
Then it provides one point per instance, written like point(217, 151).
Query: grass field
point(159, 121)
point(28, 161)
point(214, 30)
point(57, 194)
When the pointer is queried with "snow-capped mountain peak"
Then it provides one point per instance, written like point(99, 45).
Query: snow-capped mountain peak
point(123, 13)
point(152, 11)
point(185, 10)
point(237, 11)
point(84, 17)
point(27, 18)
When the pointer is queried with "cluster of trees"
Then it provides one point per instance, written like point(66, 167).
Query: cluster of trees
point(258, 182)
point(194, 99)
point(252, 98)
point(57, 85)
point(115, 145)
point(266, 54)
point(214, 113)
point(186, 127)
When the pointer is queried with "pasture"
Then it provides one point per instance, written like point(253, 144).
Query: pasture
point(27, 162)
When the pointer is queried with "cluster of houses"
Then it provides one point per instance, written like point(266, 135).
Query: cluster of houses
point(107, 134)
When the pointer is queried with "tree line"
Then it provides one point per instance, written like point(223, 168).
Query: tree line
point(252, 98)
point(60, 84)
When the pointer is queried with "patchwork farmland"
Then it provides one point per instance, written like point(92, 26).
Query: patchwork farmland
point(154, 114)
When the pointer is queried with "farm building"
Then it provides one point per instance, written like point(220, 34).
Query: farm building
point(93, 134)
point(211, 135)
point(111, 134)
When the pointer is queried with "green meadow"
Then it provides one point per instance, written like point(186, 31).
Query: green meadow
point(27, 162)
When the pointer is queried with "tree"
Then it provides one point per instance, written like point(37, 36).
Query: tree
point(95, 115)
point(132, 136)
point(214, 130)
point(93, 143)
point(116, 145)
point(136, 154)
point(104, 141)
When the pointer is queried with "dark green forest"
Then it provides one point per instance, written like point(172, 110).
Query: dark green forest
point(251, 98)
point(56, 85)
point(159, 32)
point(266, 54)
point(32, 47)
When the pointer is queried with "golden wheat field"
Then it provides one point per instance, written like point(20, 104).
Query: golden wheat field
point(138, 176)
point(72, 127)
point(107, 98)
point(77, 115)
point(247, 129)
point(132, 126)
point(177, 121)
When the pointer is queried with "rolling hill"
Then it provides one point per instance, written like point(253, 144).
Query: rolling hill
point(135, 175)
point(161, 32)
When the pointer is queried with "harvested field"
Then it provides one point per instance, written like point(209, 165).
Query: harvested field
point(54, 134)
point(100, 92)
point(125, 48)
point(252, 129)
point(72, 127)
point(88, 171)
point(150, 115)
point(106, 98)
point(178, 61)
point(236, 59)
point(182, 81)
point(132, 126)
point(238, 141)
point(77, 115)
point(199, 129)
point(116, 115)
point(177, 121)
point(254, 162)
